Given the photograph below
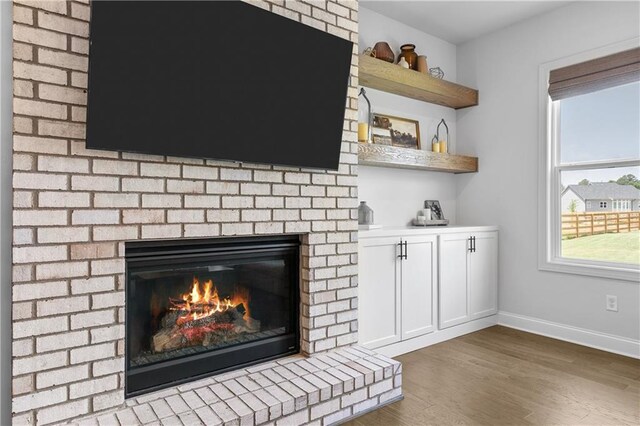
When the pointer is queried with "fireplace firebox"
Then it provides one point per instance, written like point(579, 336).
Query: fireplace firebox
point(197, 307)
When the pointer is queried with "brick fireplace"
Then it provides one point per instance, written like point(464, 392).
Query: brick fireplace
point(74, 211)
point(194, 307)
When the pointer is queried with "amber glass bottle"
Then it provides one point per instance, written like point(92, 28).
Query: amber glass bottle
point(407, 51)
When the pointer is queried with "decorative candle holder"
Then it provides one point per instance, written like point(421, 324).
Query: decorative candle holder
point(364, 117)
point(443, 142)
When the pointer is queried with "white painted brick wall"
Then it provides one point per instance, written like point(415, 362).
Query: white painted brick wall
point(73, 208)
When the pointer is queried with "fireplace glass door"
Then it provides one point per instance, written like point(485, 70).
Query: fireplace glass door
point(197, 308)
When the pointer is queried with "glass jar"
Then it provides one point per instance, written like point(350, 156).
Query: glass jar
point(407, 51)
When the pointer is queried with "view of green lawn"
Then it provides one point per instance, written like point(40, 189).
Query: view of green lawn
point(623, 247)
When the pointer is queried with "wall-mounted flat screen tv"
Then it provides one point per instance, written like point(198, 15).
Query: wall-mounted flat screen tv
point(215, 79)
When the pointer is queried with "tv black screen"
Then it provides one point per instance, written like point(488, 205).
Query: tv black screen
point(215, 79)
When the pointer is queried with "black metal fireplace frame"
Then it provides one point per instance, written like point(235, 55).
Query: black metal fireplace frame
point(144, 379)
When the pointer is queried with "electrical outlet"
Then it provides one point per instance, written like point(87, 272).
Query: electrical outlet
point(612, 303)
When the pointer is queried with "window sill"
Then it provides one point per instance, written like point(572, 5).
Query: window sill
point(592, 269)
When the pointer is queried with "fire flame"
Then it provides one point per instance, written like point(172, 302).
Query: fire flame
point(200, 304)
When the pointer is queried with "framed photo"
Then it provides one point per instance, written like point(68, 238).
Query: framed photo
point(404, 133)
point(436, 210)
point(381, 136)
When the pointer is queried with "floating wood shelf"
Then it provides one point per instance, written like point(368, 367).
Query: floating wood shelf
point(403, 158)
point(391, 78)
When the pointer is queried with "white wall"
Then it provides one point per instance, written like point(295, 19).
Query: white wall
point(396, 195)
point(5, 210)
point(503, 132)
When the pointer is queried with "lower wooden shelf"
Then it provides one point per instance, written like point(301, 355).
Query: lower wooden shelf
point(403, 158)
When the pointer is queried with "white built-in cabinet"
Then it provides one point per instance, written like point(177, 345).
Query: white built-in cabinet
point(379, 305)
point(407, 281)
point(399, 274)
point(468, 285)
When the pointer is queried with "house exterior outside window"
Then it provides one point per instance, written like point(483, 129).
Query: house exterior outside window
point(595, 197)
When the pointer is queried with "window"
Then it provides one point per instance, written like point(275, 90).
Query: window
point(621, 205)
point(592, 147)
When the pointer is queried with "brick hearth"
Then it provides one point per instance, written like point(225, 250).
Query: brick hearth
point(324, 389)
point(74, 208)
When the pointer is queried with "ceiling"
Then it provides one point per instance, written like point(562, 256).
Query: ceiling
point(460, 21)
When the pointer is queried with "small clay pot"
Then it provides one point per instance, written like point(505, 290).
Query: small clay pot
point(381, 50)
point(422, 64)
point(407, 51)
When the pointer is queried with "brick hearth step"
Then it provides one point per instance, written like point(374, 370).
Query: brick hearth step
point(324, 389)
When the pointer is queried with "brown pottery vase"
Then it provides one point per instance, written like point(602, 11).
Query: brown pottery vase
point(407, 51)
point(381, 50)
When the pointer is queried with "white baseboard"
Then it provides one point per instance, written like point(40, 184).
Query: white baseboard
point(437, 336)
point(580, 336)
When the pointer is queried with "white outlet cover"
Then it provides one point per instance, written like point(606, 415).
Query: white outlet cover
point(612, 303)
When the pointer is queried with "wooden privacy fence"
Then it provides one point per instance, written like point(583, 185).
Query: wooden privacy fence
point(582, 224)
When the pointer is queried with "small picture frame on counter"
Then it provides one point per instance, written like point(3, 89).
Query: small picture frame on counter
point(434, 207)
point(432, 215)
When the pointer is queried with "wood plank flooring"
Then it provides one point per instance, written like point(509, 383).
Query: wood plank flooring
point(501, 376)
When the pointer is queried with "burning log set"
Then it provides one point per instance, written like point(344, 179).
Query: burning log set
point(203, 318)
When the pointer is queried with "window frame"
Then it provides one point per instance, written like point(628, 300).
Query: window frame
point(549, 192)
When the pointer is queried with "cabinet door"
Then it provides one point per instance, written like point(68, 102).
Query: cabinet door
point(483, 275)
point(419, 273)
point(378, 292)
point(453, 287)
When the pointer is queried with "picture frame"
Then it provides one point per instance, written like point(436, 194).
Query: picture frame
point(403, 132)
point(381, 136)
point(436, 210)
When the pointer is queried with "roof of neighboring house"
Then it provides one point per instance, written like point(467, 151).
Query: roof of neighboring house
point(605, 191)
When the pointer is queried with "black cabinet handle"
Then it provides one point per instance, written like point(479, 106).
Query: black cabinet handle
point(470, 244)
point(403, 249)
point(474, 243)
point(406, 250)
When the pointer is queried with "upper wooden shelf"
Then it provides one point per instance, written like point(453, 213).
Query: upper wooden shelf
point(404, 158)
point(392, 78)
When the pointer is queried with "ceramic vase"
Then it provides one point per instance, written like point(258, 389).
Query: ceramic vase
point(383, 51)
point(422, 64)
point(365, 214)
point(407, 51)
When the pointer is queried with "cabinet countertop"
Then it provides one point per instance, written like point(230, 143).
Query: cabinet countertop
point(427, 230)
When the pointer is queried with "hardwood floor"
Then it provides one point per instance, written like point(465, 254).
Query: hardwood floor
point(501, 376)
